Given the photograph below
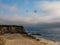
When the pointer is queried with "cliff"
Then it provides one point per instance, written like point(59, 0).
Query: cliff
point(11, 29)
point(16, 35)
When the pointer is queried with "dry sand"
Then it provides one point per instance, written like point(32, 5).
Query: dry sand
point(18, 39)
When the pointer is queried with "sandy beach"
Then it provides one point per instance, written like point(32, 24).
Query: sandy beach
point(18, 39)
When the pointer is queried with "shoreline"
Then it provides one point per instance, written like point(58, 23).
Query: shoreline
point(13, 39)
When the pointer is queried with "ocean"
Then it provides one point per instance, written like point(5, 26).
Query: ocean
point(52, 34)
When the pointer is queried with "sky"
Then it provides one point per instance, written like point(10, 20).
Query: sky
point(29, 11)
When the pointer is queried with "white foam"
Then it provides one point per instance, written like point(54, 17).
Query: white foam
point(41, 38)
point(58, 43)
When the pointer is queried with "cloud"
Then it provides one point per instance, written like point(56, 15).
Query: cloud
point(13, 8)
point(9, 8)
point(28, 19)
point(19, 19)
point(51, 10)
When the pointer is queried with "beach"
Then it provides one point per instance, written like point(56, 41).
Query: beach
point(22, 39)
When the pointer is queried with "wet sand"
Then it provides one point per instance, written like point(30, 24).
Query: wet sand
point(21, 39)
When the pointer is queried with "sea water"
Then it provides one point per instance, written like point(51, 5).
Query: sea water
point(52, 34)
